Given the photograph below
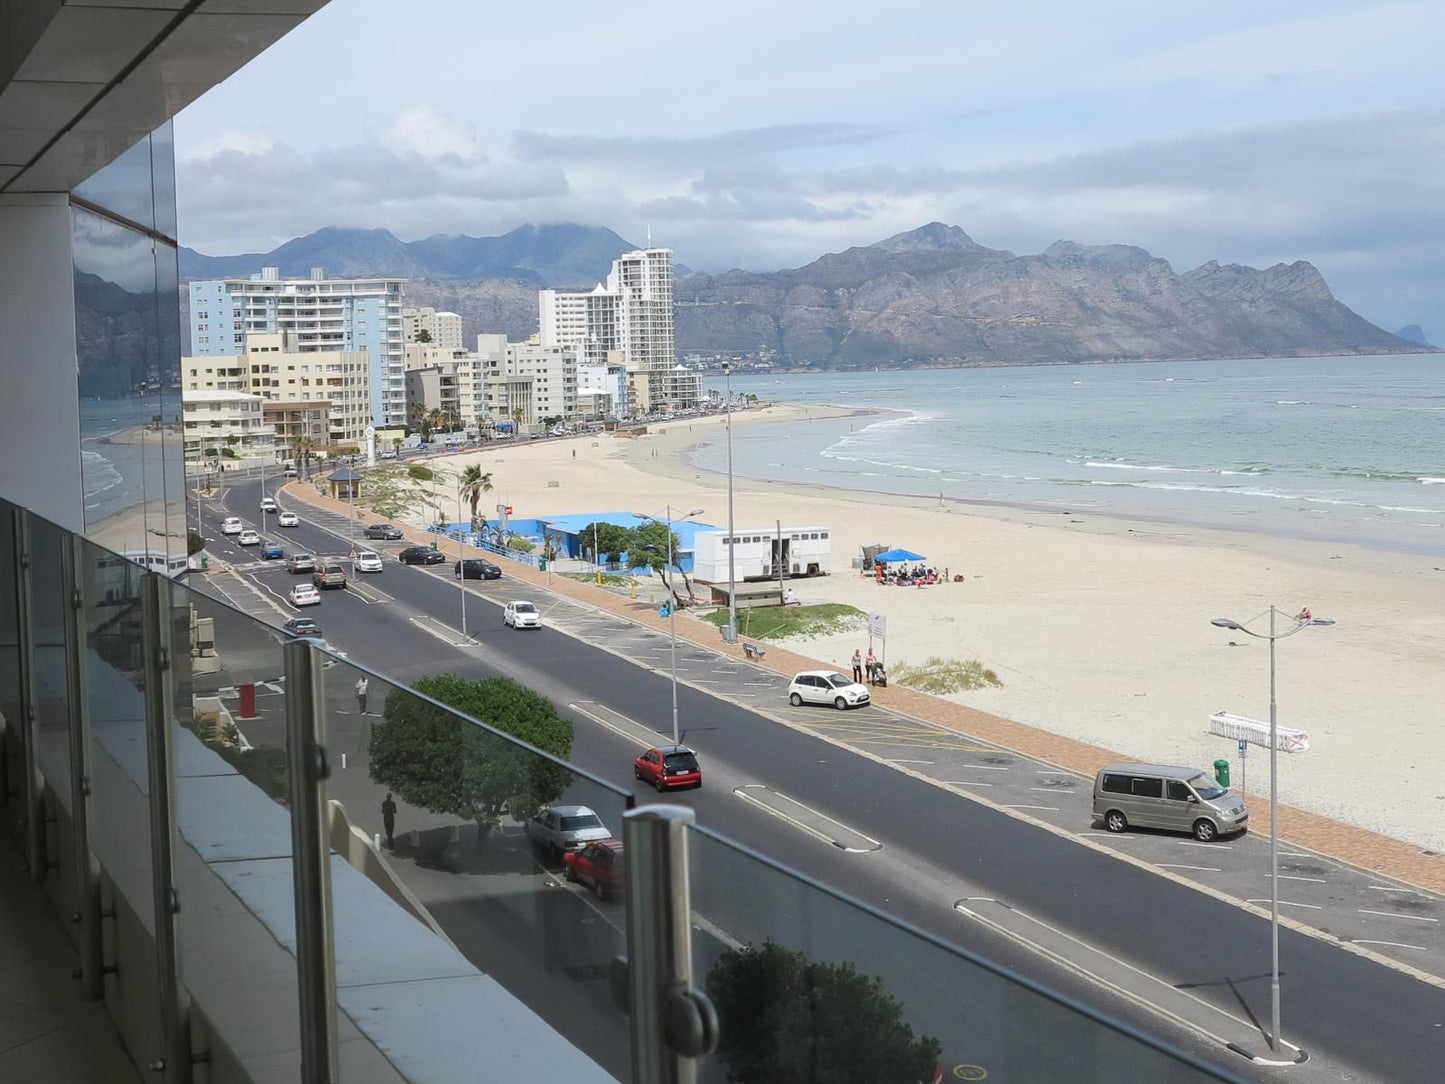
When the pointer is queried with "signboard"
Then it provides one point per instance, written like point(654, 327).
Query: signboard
point(506, 509)
point(878, 626)
point(1243, 748)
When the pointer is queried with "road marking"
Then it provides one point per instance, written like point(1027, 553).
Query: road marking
point(1050, 808)
point(802, 826)
point(1296, 854)
point(1391, 914)
point(965, 783)
point(444, 633)
point(1176, 865)
point(1395, 888)
point(617, 729)
point(1211, 846)
point(984, 767)
point(706, 681)
point(908, 762)
point(1046, 790)
point(1121, 837)
point(1291, 903)
point(1048, 771)
point(759, 684)
point(1392, 944)
point(1291, 877)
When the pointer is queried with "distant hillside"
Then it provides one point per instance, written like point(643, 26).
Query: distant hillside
point(1415, 333)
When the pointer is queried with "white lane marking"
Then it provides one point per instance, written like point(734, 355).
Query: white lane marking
point(1049, 808)
point(759, 684)
point(618, 730)
point(1120, 836)
point(965, 783)
point(1176, 865)
point(1395, 888)
point(1291, 903)
point(908, 762)
point(1046, 790)
point(444, 633)
point(741, 792)
point(984, 767)
point(1392, 944)
point(706, 681)
point(1211, 846)
point(1291, 877)
point(1391, 914)
point(1047, 771)
point(1296, 854)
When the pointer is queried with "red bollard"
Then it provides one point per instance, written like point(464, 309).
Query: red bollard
point(248, 700)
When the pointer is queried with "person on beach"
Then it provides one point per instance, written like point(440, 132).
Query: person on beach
point(388, 817)
point(858, 666)
point(871, 664)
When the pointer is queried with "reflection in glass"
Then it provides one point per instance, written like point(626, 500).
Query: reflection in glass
point(10, 733)
point(47, 623)
point(163, 178)
point(124, 187)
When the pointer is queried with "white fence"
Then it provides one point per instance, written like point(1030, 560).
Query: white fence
point(1227, 725)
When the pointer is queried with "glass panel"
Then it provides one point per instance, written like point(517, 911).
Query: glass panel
point(11, 781)
point(501, 896)
point(47, 618)
point(233, 857)
point(811, 986)
point(170, 434)
point(163, 178)
point(124, 186)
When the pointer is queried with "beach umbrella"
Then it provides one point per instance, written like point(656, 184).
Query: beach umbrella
point(890, 556)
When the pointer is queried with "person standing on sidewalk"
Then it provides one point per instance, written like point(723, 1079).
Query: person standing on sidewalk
point(871, 664)
point(388, 817)
point(858, 666)
point(361, 686)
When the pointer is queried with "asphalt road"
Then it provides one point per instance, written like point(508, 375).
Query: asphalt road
point(1357, 1019)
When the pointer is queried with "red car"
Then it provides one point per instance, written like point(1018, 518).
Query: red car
point(597, 865)
point(668, 767)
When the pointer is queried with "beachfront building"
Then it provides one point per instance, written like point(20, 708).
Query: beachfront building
point(299, 422)
point(528, 382)
point(450, 380)
point(443, 329)
point(763, 553)
point(225, 424)
point(601, 391)
point(323, 316)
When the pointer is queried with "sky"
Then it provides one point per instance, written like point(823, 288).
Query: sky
point(760, 135)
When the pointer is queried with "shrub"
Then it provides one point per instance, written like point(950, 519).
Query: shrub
point(943, 676)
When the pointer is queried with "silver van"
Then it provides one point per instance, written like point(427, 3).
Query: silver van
point(1159, 796)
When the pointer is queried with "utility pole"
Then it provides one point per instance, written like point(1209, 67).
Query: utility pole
point(732, 636)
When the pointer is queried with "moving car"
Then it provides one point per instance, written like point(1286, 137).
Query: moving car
point(304, 626)
point(598, 866)
point(304, 594)
point(827, 687)
point(562, 828)
point(329, 576)
point(231, 525)
point(421, 555)
point(249, 538)
point(474, 568)
point(270, 551)
point(288, 519)
point(1162, 796)
point(667, 767)
point(301, 562)
point(384, 531)
point(268, 504)
point(522, 615)
point(368, 561)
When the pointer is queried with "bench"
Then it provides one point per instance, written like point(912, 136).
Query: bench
point(753, 651)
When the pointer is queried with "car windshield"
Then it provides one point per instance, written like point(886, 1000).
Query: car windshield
point(526, 608)
point(1206, 788)
point(686, 762)
point(575, 824)
point(838, 681)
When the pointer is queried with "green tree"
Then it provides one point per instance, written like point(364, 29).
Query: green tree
point(785, 1020)
point(420, 472)
point(610, 539)
point(436, 760)
point(305, 449)
point(419, 417)
point(647, 547)
point(194, 543)
point(423, 336)
point(474, 484)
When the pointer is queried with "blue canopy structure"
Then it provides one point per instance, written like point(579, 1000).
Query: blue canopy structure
point(890, 556)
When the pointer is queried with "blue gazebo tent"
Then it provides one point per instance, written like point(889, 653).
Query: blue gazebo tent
point(889, 557)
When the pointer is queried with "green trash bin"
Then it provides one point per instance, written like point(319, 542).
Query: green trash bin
point(542, 564)
point(205, 561)
point(1221, 772)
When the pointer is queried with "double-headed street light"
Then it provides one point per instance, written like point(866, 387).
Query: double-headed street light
point(672, 611)
point(732, 633)
point(1302, 621)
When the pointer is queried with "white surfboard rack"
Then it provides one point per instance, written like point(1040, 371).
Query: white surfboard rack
point(1228, 725)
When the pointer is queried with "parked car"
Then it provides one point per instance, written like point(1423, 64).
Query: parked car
point(301, 562)
point(562, 828)
point(390, 454)
point(668, 766)
point(827, 687)
point(1164, 796)
point(384, 531)
point(598, 866)
point(289, 472)
point(329, 576)
point(474, 568)
point(421, 555)
point(268, 504)
point(304, 626)
point(368, 561)
point(305, 594)
point(288, 519)
point(270, 551)
point(522, 615)
point(249, 538)
point(231, 525)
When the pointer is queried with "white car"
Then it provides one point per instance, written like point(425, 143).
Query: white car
point(522, 615)
point(368, 561)
point(304, 594)
point(288, 519)
point(249, 538)
point(827, 687)
point(268, 504)
point(231, 525)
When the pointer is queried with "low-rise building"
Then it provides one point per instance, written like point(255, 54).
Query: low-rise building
point(228, 421)
point(296, 422)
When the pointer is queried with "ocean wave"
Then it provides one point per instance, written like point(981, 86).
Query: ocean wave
point(1431, 481)
point(1291, 402)
point(98, 472)
point(1138, 466)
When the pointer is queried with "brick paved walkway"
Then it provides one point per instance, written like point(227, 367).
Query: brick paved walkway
point(1358, 846)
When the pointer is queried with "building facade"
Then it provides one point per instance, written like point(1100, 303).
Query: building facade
point(443, 329)
point(321, 315)
point(530, 382)
point(230, 422)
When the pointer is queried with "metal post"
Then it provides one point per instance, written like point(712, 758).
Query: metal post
point(732, 636)
point(87, 888)
point(36, 859)
point(672, 626)
point(461, 557)
point(159, 706)
point(311, 862)
point(1274, 1036)
point(671, 1023)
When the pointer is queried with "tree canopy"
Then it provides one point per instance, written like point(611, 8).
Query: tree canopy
point(786, 1020)
point(438, 761)
point(611, 539)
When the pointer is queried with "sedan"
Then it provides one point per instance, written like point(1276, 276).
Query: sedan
point(305, 594)
point(301, 562)
point(249, 538)
point(667, 767)
point(598, 866)
point(474, 568)
point(368, 561)
point(384, 531)
point(303, 626)
point(270, 551)
point(827, 687)
point(421, 555)
point(288, 519)
point(522, 615)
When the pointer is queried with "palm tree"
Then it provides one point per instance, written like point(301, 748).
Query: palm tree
point(435, 418)
point(305, 448)
point(419, 418)
point(474, 484)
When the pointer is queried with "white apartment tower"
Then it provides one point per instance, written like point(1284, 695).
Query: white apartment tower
point(444, 329)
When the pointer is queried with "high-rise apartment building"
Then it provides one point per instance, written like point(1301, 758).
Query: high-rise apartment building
point(321, 315)
point(443, 329)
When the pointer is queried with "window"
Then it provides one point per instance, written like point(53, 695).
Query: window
point(1116, 784)
point(1147, 788)
point(1178, 791)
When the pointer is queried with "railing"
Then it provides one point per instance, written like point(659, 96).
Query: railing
point(191, 778)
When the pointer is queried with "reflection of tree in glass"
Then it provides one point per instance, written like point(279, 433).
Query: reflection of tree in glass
point(785, 1020)
point(435, 760)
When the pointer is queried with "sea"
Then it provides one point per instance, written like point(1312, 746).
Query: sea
point(1348, 449)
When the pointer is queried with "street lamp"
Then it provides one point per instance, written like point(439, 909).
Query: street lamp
point(461, 559)
point(1302, 621)
point(732, 633)
point(672, 610)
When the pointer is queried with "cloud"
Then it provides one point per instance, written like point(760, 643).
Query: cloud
point(235, 139)
point(694, 151)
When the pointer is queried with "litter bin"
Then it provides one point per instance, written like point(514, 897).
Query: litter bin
point(542, 564)
point(205, 561)
point(1221, 772)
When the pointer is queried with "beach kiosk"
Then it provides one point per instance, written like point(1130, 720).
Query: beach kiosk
point(345, 484)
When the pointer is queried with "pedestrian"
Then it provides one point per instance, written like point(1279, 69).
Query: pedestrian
point(388, 817)
point(871, 664)
point(574, 453)
point(361, 686)
point(858, 666)
point(945, 573)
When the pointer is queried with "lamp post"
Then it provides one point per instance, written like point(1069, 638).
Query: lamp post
point(732, 633)
point(672, 613)
point(461, 560)
point(1302, 621)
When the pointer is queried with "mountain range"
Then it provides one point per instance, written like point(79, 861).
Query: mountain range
point(930, 296)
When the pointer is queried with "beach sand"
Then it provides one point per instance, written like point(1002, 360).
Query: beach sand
point(1099, 628)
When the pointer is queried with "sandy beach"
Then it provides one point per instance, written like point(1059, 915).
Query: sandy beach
point(1099, 628)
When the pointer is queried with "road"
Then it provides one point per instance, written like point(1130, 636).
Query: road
point(952, 868)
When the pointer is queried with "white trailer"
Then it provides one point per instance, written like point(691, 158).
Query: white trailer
point(801, 551)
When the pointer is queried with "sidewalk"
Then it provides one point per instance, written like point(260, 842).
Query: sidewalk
point(1348, 843)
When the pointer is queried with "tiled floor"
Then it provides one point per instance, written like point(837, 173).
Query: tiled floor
point(47, 1033)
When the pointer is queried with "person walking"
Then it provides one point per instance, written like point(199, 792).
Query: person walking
point(361, 686)
point(388, 817)
point(858, 666)
point(871, 664)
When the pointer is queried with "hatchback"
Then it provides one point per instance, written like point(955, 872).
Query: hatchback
point(522, 615)
point(231, 525)
point(288, 519)
point(384, 531)
point(368, 561)
point(827, 687)
point(303, 626)
point(249, 538)
point(270, 551)
point(598, 866)
point(474, 568)
point(421, 555)
point(304, 594)
point(668, 766)
point(301, 562)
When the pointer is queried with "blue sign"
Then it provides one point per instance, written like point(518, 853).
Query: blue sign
point(1243, 748)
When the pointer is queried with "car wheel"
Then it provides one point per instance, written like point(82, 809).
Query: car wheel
point(795, 700)
point(1204, 830)
point(1115, 821)
point(840, 703)
point(636, 774)
point(658, 784)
